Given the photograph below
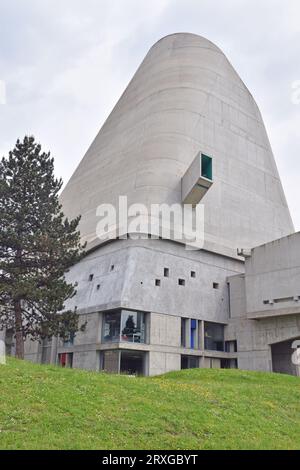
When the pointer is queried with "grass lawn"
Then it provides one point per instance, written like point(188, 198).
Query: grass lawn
point(46, 407)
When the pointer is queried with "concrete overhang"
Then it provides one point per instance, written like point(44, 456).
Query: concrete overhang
point(282, 312)
point(197, 180)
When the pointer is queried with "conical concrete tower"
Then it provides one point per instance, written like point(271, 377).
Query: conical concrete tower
point(184, 99)
point(186, 130)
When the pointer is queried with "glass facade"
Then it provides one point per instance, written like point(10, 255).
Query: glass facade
point(65, 360)
point(206, 167)
point(124, 362)
point(111, 327)
point(183, 331)
point(189, 362)
point(214, 336)
point(124, 326)
point(111, 361)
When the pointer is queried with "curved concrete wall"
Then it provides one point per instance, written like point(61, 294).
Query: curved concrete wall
point(185, 98)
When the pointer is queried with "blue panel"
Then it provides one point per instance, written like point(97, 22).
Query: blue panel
point(193, 330)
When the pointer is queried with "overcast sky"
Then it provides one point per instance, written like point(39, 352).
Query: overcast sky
point(65, 63)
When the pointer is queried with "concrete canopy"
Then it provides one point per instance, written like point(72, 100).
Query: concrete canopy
point(185, 98)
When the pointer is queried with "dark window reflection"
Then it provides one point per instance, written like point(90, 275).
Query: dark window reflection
point(214, 336)
point(124, 326)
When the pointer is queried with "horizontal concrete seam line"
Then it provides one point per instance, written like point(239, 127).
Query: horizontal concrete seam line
point(99, 310)
point(244, 351)
point(273, 315)
point(196, 113)
point(85, 260)
point(129, 108)
point(241, 187)
point(215, 76)
point(273, 271)
point(209, 94)
point(192, 260)
point(205, 250)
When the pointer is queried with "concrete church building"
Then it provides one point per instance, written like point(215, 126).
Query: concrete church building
point(186, 129)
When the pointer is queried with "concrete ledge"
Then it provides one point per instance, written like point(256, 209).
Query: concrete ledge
point(282, 312)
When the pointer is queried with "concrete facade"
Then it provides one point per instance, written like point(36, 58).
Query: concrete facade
point(190, 308)
point(265, 310)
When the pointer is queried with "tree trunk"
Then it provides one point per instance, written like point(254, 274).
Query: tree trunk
point(19, 330)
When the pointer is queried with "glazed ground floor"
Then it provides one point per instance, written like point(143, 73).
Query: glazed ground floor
point(142, 343)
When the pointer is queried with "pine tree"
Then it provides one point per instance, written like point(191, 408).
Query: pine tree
point(37, 247)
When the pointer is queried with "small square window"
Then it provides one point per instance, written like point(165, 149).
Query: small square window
point(98, 287)
point(216, 285)
point(193, 274)
point(181, 282)
point(112, 267)
point(166, 272)
point(157, 282)
point(91, 277)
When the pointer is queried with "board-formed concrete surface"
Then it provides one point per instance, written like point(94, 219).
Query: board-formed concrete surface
point(265, 310)
point(185, 97)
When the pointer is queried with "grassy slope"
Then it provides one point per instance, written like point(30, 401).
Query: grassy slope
point(46, 407)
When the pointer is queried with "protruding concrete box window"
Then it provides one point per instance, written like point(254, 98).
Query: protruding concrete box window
point(197, 179)
point(206, 167)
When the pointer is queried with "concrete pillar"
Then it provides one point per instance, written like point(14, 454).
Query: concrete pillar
point(201, 336)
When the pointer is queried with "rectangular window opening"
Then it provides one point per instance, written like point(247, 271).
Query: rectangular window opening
point(283, 299)
point(183, 332)
point(193, 333)
point(193, 274)
point(214, 336)
point(189, 362)
point(206, 166)
point(65, 360)
point(157, 282)
point(124, 326)
point(181, 282)
point(166, 272)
